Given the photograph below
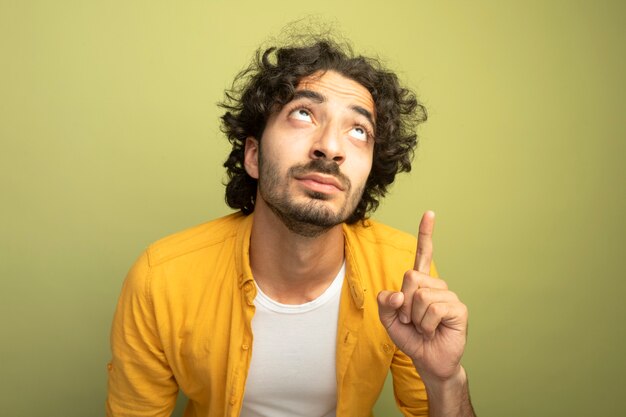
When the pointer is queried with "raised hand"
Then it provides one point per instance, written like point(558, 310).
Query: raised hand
point(425, 319)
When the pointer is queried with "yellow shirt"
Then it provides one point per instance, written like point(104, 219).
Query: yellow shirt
point(184, 320)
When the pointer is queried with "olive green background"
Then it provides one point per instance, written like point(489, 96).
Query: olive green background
point(110, 140)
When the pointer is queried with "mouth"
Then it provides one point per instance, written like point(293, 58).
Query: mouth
point(321, 183)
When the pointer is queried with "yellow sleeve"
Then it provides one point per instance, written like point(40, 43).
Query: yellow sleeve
point(140, 381)
point(408, 388)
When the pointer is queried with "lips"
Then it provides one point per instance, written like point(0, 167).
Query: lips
point(324, 180)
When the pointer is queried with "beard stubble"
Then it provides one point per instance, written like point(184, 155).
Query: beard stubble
point(311, 218)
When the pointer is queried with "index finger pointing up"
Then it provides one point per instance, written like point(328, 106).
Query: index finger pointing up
point(424, 253)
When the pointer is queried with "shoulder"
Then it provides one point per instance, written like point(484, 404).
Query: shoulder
point(195, 239)
point(379, 254)
point(382, 252)
point(379, 235)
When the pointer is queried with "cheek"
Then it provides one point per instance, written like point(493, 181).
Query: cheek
point(284, 144)
point(360, 173)
point(273, 165)
point(365, 166)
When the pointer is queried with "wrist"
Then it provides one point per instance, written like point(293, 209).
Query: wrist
point(448, 397)
point(446, 377)
point(439, 386)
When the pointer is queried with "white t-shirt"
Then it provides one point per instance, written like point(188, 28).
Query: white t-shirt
point(292, 372)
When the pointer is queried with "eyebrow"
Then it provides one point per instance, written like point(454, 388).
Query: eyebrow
point(310, 94)
point(319, 98)
point(365, 113)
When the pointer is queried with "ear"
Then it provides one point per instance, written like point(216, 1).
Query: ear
point(251, 157)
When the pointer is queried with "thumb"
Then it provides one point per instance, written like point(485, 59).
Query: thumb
point(388, 304)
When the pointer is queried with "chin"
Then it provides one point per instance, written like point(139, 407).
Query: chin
point(319, 196)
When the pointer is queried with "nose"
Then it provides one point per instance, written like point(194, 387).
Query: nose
point(328, 145)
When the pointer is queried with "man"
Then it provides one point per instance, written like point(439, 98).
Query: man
point(297, 305)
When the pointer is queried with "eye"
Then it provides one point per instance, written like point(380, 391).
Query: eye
point(302, 114)
point(359, 133)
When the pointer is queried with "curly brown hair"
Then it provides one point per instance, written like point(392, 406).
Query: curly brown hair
point(270, 82)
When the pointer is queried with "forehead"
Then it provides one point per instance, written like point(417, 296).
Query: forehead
point(335, 86)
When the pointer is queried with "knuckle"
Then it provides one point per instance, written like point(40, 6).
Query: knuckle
point(410, 276)
point(422, 295)
point(421, 279)
point(442, 283)
point(438, 309)
point(453, 296)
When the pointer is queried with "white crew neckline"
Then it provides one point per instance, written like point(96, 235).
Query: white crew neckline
point(328, 294)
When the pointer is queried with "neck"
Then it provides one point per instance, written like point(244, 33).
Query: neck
point(290, 268)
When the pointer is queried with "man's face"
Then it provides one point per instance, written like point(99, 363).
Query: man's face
point(315, 154)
